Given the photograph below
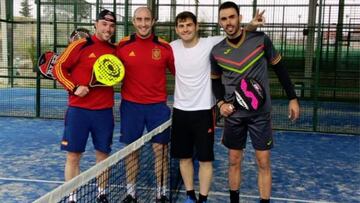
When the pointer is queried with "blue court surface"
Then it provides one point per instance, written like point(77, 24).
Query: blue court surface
point(307, 167)
point(341, 117)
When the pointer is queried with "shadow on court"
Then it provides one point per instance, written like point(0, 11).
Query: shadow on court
point(307, 167)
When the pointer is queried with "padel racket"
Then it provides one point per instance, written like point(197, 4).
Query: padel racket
point(249, 94)
point(46, 64)
point(79, 33)
point(47, 60)
point(108, 70)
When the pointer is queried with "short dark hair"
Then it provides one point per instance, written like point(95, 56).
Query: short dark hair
point(229, 4)
point(102, 16)
point(183, 16)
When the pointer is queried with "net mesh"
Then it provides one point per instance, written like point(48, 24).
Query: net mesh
point(110, 177)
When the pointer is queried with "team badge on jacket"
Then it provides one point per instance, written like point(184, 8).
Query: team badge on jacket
point(156, 54)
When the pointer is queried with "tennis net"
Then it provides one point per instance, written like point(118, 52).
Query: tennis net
point(111, 176)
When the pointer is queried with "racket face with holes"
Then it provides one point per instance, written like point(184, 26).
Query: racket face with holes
point(46, 64)
point(108, 70)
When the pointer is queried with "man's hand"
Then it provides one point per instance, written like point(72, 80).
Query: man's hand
point(294, 110)
point(82, 91)
point(226, 109)
point(257, 21)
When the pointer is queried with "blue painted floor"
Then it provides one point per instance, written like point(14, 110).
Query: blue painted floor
point(307, 167)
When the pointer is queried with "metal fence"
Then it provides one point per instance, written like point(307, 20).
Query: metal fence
point(319, 41)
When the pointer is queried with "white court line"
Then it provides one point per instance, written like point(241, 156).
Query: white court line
point(182, 191)
point(31, 180)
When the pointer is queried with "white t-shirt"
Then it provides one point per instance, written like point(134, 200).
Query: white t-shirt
point(192, 79)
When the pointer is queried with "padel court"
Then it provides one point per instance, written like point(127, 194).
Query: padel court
point(307, 167)
point(316, 159)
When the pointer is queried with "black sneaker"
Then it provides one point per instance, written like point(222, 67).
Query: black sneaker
point(129, 199)
point(102, 199)
point(72, 201)
point(163, 199)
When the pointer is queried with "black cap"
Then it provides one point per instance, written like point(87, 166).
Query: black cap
point(102, 16)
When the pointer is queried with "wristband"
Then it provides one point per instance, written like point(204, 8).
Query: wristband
point(75, 88)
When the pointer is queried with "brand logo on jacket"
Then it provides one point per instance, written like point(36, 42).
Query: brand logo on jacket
point(132, 53)
point(156, 54)
point(92, 55)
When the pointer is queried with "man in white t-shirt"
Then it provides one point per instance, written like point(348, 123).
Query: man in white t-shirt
point(193, 113)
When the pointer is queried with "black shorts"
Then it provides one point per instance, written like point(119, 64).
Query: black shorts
point(192, 134)
point(258, 126)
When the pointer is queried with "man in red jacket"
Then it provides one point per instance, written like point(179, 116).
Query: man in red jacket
point(146, 58)
point(90, 109)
